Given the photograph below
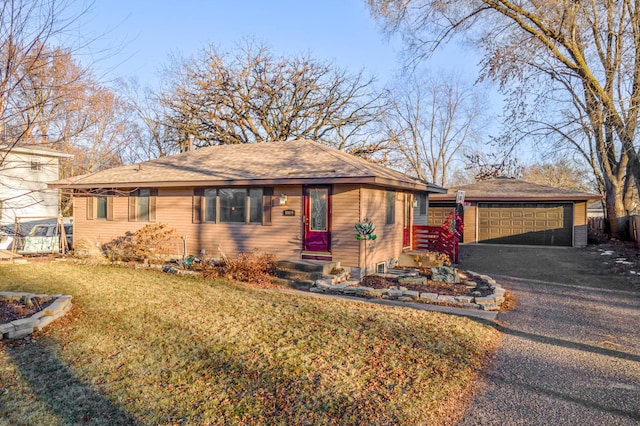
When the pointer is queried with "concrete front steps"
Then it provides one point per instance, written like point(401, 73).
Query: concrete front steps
point(301, 274)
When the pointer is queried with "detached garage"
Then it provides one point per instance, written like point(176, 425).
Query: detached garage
point(512, 211)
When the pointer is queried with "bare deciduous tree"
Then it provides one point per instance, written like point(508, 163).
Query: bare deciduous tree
point(253, 96)
point(152, 138)
point(29, 90)
point(26, 29)
point(430, 122)
point(65, 108)
point(559, 174)
point(490, 165)
point(584, 56)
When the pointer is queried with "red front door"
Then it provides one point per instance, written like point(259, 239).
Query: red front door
point(317, 219)
point(406, 222)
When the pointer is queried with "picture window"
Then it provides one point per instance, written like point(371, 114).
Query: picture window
point(231, 205)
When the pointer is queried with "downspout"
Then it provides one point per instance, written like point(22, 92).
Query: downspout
point(477, 220)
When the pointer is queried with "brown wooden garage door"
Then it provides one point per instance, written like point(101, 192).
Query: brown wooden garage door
point(526, 223)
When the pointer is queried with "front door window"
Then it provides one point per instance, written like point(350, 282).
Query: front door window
point(318, 207)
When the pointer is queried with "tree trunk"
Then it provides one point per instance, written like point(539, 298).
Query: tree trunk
point(614, 206)
point(630, 195)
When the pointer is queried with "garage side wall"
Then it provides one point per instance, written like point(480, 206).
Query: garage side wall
point(470, 224)
point(580, 222)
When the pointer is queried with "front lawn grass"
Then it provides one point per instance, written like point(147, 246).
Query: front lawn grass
point(151, 348)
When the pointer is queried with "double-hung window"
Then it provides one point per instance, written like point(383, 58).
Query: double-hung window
point(390, 207)
point(142, 205)
point(210, 205)
point(100, 206)
point(422, 204)
point(256, 207)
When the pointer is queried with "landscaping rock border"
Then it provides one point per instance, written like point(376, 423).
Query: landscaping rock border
point(489, 302)
point(25, 326)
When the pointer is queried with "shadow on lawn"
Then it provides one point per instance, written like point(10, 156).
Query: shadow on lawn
point(54, 385)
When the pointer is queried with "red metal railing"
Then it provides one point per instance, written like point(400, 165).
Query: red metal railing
point(435, 238)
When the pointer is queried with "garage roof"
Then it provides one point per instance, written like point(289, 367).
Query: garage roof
point(510, 189)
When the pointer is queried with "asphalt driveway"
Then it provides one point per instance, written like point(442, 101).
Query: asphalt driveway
point(571, 352)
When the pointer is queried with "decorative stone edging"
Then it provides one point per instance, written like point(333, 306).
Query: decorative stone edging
point(490, 302)
point(25, 326)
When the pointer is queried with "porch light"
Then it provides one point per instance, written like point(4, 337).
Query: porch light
point(415, 203)
point(282, 200)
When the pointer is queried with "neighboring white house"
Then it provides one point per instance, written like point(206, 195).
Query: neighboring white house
point(24, 174)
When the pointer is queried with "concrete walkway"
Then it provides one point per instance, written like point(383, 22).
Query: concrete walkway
point(570, 356)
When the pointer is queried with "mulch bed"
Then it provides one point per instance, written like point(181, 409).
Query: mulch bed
point(449, 289)
point(11, 310)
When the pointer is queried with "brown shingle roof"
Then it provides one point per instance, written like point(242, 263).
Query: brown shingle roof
point(289, 162)
point(507, 189)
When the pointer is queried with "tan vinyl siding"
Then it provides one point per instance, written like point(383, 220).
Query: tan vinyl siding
point(388, 245)
point(174, 208)
point(283, 238)
point(103, 231)
point(345, 214)
point(580, 213)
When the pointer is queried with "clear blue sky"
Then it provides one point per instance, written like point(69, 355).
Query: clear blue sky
point(136, 37)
